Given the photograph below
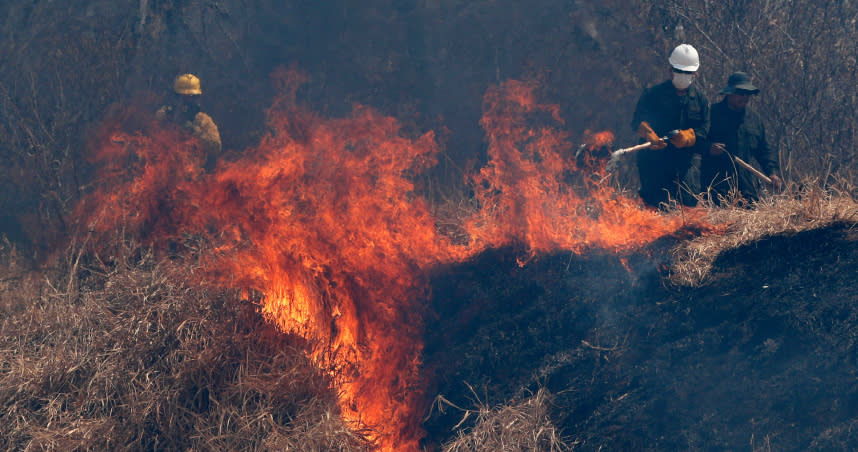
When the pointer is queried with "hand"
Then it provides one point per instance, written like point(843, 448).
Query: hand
point(684, 138)
point(777, 183)
point(717, 149)
point(646, 132)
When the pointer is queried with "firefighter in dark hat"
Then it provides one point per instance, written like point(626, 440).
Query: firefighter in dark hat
point(185, 111)
point(672, 116)
point(737, 132)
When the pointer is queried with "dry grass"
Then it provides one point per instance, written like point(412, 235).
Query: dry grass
point(517, 426)
point(126, 353)
point(796, 210)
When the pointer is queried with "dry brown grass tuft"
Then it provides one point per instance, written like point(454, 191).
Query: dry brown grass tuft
point(518, 426)
point(450, 216)
point(127, 353)
point(795, 210)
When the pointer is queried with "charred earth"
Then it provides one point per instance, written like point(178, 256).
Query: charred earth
point(760, 356)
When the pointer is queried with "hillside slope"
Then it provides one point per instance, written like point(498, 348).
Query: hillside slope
point(762, 355)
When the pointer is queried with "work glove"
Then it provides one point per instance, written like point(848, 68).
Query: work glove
point(684, 138)
point(646, 132)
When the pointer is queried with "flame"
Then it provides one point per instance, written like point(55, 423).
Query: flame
point(525, 193)
point(322, 220)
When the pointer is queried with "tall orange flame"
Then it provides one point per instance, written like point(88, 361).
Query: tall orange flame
point(322, 219)
point(523, 189)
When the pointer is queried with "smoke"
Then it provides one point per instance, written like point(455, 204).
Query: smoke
point(323, 221)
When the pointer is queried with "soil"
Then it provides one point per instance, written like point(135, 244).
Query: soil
point(760, 357)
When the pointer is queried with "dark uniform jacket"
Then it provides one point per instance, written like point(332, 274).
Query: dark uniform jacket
point(662, 171)
point(744, 135)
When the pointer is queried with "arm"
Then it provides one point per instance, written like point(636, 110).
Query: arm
point(702, 130)
point(693, 122)
point(641, 122)
point(643, 110)
point(162, 113)
point(768, 157)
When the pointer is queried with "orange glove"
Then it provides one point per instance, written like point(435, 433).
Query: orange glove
point(684, 138)
point(646, 132)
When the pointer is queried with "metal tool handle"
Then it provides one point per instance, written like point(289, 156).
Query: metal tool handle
point(638, 147)
point(753, 170)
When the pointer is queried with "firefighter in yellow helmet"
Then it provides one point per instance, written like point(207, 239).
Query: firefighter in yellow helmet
point(184, 111)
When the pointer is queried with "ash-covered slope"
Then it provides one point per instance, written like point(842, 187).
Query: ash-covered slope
point(763, 356)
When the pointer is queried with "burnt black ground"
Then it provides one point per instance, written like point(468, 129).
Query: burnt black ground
point(761, 357)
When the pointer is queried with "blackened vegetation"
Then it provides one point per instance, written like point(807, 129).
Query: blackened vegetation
point(761, 357)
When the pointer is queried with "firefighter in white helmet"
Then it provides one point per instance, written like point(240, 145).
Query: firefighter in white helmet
point(185, 111)
point(673, 116)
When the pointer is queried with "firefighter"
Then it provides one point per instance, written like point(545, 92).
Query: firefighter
point(185, 111)
point(737, 131)
point(673, 116)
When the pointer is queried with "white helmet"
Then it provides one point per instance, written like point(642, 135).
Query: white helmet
point(684, 58)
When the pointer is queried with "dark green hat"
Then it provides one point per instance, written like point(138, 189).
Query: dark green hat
point(739, 83)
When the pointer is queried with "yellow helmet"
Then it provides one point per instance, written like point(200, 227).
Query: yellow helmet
point(187, 84)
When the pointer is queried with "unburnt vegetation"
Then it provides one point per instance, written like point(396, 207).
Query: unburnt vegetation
point(787, 213)
point(123, 351)
point(519, 425)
